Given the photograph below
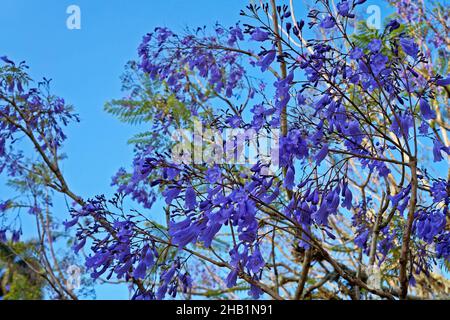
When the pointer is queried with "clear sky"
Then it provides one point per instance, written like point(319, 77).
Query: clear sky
point(85, 66)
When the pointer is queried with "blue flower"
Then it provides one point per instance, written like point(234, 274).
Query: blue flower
point(410, 47)
point(392, 25)
point(234, 121)
point(429, 225)
point(347, 203)
point(344, 9)
point(361, 239)
point(321, 154)
point(443, 246)
point(259, 35)
point(209, 232)
point(255, 261)
point(184, 232)
point(321, 215)
point(232, 278)
point(356, 53)
point(443, 82)
point(2, 236)
point(140, 271)
point(213, 174)
point(426, 110)
point(378, 63)
point(255, 291)
point(439, 191)
point(16, 235)
point(374, 45)
point(437, 148)
point(265, 61)
point(301, 99)
point(327, 22)
point(170, 194)
point(79, 245)
point(289, 180)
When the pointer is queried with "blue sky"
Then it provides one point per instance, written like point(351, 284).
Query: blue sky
point(85, 66)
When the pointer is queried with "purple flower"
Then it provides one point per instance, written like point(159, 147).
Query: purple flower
point(167, 275)
point(2, 236)
point(347, 203)
point(401, 124)
point(344, 9)
point(5, 205)
point(378, 63)
point(386, 244)
point(232, 278)
point(235, 35)
point(79, 245)
point(149, 258)
point(361, 239)
point(255, 291)
point(16, 236)
point(161, 292)
point(437, 148)
point(320, 156)
point(140, 271)
point(321, 215)
point(6, 60)
point(213, 174)
point(393, 25)
point(259, 35)
point(443, 246)
point(374, 45)
point(429, 225)
point(185, 232)
point(170, 194)
point(443, 82)
point(439, 191)
point(289, 180)
point(267, 59)
point(70, 223)
point(356, 53)
point(255, 261)
point(327, 22)
point(426, 110)
point(186, 282)
point(423, 128)
point(410, 47)
point(301, 99)
point(234, 121)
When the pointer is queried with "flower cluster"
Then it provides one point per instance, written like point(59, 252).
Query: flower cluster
point(352, 115)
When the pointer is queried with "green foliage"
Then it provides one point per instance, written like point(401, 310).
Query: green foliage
point(146, 98)
point(19, 278)
point(363, 34)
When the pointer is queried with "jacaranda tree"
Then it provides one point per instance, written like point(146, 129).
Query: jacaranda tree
point(281, 158)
